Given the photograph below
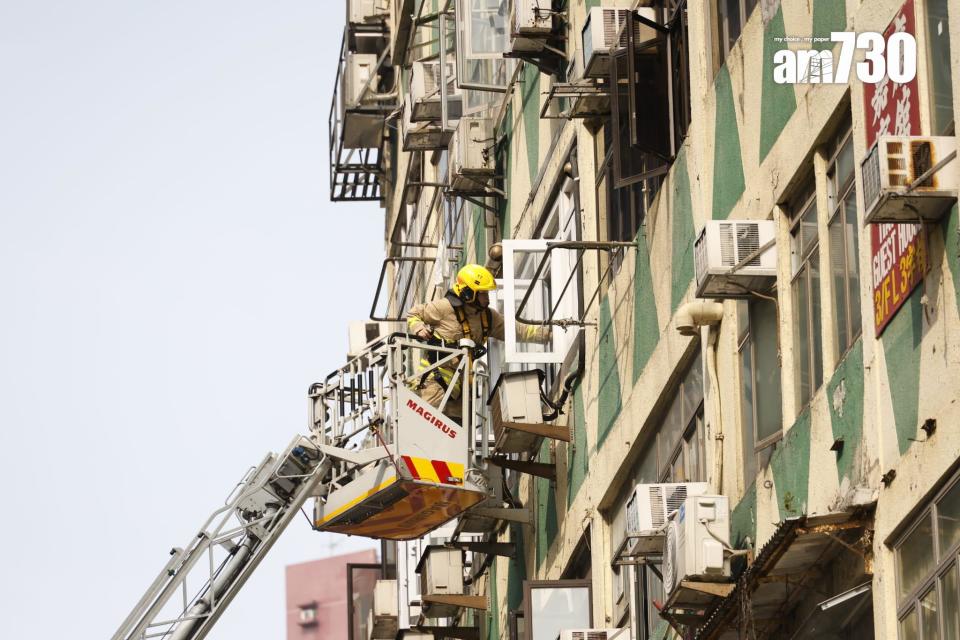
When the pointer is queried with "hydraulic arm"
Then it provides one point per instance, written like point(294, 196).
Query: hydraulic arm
point(200, 579)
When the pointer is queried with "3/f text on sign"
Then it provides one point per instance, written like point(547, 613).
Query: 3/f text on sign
point(894, 57)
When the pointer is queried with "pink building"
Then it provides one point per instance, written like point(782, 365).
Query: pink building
point(317, 602)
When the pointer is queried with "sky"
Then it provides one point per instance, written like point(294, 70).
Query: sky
point(172, 279)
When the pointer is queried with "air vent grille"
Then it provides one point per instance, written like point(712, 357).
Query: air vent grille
point(748, 241)
point(870, 171)
point(921, 153)
point(727, 246)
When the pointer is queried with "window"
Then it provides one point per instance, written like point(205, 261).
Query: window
point(482, 39)
point(938, 57)
point(515, 622)
point(623, 209)
point(551, 606)
point(842, 229)
point(730, 17)
point(928, 583)
point(649, 117)
point(308, 615)
point(555, 294)
point(805, 254)
point(758, 345)
point(674, 453)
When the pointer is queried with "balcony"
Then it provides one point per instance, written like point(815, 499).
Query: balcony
point(363, 98)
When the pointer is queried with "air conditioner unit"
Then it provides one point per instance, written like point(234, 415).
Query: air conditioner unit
point(698, 536)
point(595, 634)
point(471, 156)
point(362, 333)
point(531, 24)
point(361, 12)
point(423, 136)
point(441, 574)
point(722, 245)
point(515, 411)
point(894, 163)
point(357, 70)
point(648, 511)
point(385, 610)
point(600, 37)
point(425, 92)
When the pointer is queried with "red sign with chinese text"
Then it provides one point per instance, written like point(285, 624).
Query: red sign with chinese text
point(898, 257)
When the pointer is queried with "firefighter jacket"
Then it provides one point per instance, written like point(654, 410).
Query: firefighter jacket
point(450, 324)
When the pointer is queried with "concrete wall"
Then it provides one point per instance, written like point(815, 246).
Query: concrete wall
point(749, 143)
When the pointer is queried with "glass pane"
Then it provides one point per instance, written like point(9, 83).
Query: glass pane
point(908, 627)
point(692, 447)
point(815, 323)
point(670, 432)
point(928, 615)
point(801, 350)
point(732, 15)
point(844, 165)
point(767, 366)
point(915, 557)
point(852, 236)
point(808, 228)
point(938, 37)
point(951, 604)
point(553, 609)
point(692, 390)
point(948, 520)
point(838, 275)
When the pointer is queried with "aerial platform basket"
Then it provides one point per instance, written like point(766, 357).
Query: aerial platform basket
point(405, 467)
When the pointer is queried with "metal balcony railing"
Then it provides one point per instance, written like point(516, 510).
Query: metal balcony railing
point(357, 131)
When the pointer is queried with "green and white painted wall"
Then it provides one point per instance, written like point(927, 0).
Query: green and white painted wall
point(749, 144)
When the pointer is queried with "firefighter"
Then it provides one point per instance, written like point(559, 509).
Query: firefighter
point(464, 312)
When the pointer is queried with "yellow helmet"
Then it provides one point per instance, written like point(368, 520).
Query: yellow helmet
point(472, 279)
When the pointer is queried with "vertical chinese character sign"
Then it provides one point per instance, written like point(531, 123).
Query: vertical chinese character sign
point(898, 259)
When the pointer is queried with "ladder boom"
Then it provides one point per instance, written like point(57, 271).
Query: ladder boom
point(202, 578)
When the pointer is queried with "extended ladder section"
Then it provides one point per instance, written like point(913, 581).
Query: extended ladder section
point(401, 466)
point(231, 543)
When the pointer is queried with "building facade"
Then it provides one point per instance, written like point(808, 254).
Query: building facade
point(319, 591)
point(816, 392)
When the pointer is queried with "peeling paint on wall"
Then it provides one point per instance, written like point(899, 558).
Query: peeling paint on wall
point(791, 468)
point(901, 347)
point(951, 246)
point(845, 396)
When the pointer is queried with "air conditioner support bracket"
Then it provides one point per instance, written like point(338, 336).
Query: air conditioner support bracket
point(523, 516)
point(552, 431)
point(463, 601)
point(539, 469)
point(461, 633)
point(504, 549)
